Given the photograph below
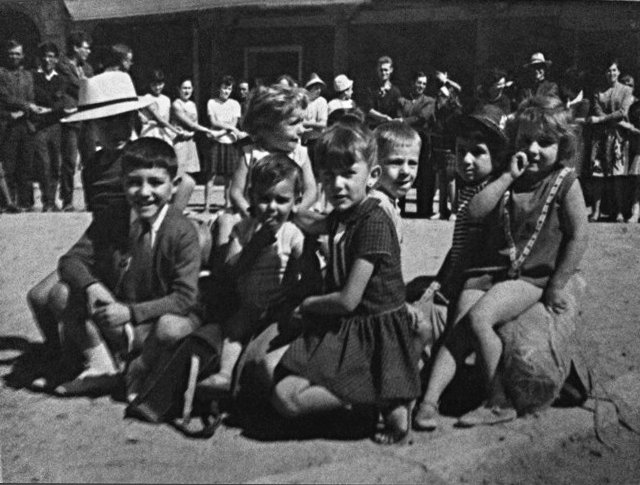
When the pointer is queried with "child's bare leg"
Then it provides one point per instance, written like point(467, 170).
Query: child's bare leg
point(44, 315)
point(503, 302)
point(237, 329)
point(295, 396)
point(459, 342)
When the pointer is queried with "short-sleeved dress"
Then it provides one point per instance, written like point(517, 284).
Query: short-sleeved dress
point(369, 357)
point(224, 151)
point(186, 150)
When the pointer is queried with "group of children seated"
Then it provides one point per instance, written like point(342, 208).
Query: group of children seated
point(128, 289)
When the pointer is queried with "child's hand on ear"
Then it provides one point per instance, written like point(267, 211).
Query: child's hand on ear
point(519, 163)
point(556, 300)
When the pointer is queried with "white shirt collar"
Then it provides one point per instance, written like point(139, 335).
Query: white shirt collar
point(155, 227)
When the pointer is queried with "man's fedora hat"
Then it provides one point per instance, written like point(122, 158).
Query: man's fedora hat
point(536, 59)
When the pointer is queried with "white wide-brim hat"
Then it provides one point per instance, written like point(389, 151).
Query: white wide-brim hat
point(107, 94)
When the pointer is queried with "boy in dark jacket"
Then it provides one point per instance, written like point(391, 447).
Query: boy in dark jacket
point(133, 275)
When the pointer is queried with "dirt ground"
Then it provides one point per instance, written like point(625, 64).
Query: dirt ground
point(44, 438)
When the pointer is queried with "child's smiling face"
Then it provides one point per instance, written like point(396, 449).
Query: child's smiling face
point(474, 163)
point(541, 148)
point(399, 169)
point(148, 190)
point(285, 136)
point(273, 205)
point(347, 187)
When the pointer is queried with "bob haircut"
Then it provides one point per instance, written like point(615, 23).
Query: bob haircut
point(269, 106)
point(146, 152)
point(547, 117)
point(344, 144)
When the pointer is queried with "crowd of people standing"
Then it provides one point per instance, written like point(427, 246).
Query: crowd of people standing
point(36, 147)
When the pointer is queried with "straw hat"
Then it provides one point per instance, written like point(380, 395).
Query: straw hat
point(341, 83)
point(537, 58)
point(107, 94)
point(314, 79)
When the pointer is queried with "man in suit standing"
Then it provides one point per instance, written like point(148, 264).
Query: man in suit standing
point(17, 106)
point(539, 84)
point(417, 111)
point(73, 67)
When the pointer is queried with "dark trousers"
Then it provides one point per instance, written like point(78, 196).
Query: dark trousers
point(47, 146)
point(70, 145)
point(17, 160)
point(425, 182)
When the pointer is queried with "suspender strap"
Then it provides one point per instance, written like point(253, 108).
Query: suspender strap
point(517, 261)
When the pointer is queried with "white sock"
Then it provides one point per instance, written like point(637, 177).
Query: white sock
point(99, 360)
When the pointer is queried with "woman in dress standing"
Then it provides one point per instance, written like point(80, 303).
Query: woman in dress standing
point(185, 115)
point(224, 114)
point(610, 149)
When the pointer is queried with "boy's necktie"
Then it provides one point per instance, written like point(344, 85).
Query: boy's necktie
point(137, 282)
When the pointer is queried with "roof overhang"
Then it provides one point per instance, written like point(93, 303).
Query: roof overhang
point(100, 9)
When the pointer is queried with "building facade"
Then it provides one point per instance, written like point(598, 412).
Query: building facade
point(265, 38)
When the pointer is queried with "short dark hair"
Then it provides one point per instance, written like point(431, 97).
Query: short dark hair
point(344, 144)
point(227, 80)
point(417, 75)
point(157, 76)
point(45, 47)
point(385, 60)
point(273, 169)
point(147, 152)
point(76, 39)
point(115, 54)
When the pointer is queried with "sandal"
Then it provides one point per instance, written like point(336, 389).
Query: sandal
point(397, 426)
point(487, 415)
point(428, 417)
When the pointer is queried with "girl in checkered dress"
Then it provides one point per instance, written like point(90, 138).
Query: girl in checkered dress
point(357, 345)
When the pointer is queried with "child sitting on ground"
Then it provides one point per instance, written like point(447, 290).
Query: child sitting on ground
point(133, 277)
point(357, 344)
point(398, 154)
point(534, 238)
point(261, 252)
point(480, 145)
